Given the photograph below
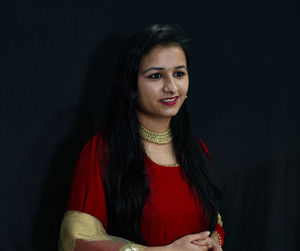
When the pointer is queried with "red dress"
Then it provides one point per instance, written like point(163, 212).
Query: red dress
point(170, 212)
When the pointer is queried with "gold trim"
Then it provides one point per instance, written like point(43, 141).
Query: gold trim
point(220, 222)
point(168, 165)
point(219, 238)
point(157, 138)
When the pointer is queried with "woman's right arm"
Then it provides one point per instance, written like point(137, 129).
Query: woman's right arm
point(81, 232)
point(84, 223)
point(186, 243)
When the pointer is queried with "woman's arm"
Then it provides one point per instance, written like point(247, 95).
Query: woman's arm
point(80, 232)
point(216, 239)
point(186, 243)
point(83, 225)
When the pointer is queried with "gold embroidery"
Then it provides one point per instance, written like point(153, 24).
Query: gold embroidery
point(168, 165)
point(219, 238)
point(220, 222)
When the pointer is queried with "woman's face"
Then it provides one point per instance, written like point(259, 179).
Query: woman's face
point(162, 82)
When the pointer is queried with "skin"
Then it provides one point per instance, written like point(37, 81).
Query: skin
point(163, 74)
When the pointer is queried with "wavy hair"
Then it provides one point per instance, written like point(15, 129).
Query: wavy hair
point(125, 180)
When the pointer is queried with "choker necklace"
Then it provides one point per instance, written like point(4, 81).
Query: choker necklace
point(153, 137)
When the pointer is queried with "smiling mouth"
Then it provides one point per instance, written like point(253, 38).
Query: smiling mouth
point(169, 101)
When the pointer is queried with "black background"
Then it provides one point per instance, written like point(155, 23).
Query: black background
point(57, 59)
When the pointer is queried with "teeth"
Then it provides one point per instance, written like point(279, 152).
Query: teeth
point(168, 99)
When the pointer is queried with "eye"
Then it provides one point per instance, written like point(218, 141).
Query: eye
point(155, 76)
point(179, 74)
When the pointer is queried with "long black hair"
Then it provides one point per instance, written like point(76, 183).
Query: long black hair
point(125, 181)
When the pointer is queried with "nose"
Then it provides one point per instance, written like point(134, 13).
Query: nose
point(170, 84)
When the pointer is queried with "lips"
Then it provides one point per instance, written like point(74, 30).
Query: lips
point(169, 101)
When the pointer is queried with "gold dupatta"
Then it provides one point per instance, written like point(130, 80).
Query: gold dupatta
point(79, 229)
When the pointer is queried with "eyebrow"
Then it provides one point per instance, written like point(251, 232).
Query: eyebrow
point(162, 68)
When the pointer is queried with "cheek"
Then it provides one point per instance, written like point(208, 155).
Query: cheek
point(184, 86)
point(149, 90)
point(145, 94)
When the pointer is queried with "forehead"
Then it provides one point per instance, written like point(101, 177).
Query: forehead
point(164, 56)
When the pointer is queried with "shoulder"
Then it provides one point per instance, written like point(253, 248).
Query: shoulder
point(93, 147)
point(94, 142)
point(91, 156)
point(87, 192)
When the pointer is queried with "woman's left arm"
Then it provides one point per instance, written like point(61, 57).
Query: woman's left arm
point(216, 240)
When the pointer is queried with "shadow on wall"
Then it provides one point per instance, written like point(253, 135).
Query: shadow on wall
point(65, 136)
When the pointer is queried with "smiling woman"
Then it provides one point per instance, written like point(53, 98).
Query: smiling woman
point(145, 181)
point(162, 84)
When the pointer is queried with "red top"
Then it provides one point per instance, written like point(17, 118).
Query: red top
point(170, 212)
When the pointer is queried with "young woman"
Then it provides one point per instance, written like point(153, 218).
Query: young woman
point(145, 181)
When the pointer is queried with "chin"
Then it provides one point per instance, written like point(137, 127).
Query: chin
point(170, 114)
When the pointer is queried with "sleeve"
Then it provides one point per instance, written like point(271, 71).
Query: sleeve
point(84, 223)
point(87, 192)
point(219, 228)
point(81, 232)
point(220, 231)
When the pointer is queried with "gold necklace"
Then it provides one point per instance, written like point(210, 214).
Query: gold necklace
point(157, 138)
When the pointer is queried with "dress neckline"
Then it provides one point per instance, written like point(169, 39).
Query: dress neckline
point(159, 165)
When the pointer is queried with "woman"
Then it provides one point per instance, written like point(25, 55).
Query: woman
point(145, 181)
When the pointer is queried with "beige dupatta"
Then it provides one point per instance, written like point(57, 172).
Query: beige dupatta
point(80, 231)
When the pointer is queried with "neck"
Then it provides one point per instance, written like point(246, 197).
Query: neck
point(157, 125)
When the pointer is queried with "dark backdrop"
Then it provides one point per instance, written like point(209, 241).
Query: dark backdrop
point(57, 59)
